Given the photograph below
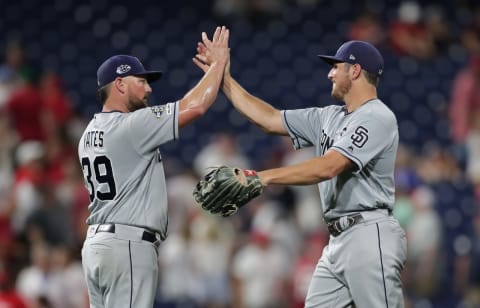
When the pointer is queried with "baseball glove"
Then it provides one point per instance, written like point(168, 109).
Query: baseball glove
point(224, 189)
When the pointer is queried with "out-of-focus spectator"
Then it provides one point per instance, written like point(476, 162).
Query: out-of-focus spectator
point(304, 266)
point(212, 242)
point(274, 219)
point(406, 180)
point(437, 165)
point(6, 243)
point(439, 27)
point(307, 209)
point(26, 113)
point(473, 163)
point(406, 177)
point(58, 107)
point(26, 195)
point(50, 221)
point(470, 36)
point(222, 150)
point(73, 196)
point(424, 234)
point(14, 72)
point(260, 274)
point(59, 149)
point(465, 116)
point(34, 281)
point(8, 141)
point(181, 204)
point(179, 284)
point(9, 297)
point(408, 34)
point(367, 27)
point(68, 278)
point(465, 101)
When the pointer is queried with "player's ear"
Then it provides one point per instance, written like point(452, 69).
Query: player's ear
point(356, 71)
point(120, 85)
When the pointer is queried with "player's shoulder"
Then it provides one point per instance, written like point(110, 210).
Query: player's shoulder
point(108, 119)
point(377, 113)
point(378, 110)
point(332, 110)
point(156, 111)
point(106, 115)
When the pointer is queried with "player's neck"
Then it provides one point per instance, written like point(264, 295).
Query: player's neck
point(111, 105)
point(355, 99)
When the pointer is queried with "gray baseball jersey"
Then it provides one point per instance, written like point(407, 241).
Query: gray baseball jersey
point(123, 171)
point(368, 137)
point(123, 168)
point(362, 266)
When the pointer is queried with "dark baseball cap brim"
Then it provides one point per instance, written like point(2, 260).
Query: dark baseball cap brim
point(151, 76)
point(330, 59)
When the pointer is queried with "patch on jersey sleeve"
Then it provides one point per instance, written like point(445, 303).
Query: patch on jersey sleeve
point(162, 109)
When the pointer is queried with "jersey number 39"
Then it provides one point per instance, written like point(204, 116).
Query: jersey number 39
point(103, 174)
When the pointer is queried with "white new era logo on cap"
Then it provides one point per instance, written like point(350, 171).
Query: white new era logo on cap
point(122, 69)
point(352, 57)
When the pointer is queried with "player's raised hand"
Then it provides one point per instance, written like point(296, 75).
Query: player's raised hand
point(209, 51)
point(200, 58)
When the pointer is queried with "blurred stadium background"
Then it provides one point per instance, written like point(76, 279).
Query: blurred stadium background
point(264, 256)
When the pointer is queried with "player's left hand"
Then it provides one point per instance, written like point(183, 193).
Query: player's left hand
point(202, 58)
point(225, 189)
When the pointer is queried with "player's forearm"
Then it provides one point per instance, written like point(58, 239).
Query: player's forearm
point(205, 92)
point(197, 101)
point(301, 174)
point(256, 110)
point(312, 171)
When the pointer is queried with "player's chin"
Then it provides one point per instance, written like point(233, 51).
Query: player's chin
point(336, 95)
point(333, 92)
point(334, 87)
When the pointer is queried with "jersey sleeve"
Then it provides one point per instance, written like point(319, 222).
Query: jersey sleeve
point(365, 138)
point(302, 125)
point(152, 126)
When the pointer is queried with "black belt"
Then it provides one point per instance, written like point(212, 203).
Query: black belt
point(146, 236)
point(337, 226)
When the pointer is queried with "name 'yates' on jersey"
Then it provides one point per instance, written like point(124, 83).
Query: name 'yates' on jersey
point(93, 138)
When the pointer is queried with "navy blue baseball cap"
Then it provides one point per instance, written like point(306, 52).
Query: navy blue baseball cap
point(123, 66)
point(360, 52)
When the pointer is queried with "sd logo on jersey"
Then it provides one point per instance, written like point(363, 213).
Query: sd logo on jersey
point(161, 109)
point(360, 137)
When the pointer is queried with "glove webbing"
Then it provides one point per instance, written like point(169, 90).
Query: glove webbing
point(229, 191)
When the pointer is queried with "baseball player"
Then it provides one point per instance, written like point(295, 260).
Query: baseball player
point(355, 146)
point(122, 165)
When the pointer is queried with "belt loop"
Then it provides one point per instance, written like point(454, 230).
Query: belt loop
point(96, 228)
